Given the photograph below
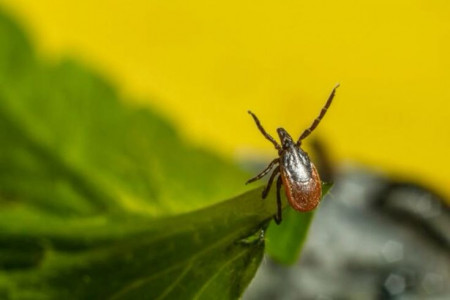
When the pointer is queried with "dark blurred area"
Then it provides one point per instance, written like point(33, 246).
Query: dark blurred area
point(371, 238)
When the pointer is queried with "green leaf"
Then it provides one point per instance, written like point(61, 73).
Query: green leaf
point(211, 253)
point(284, 242)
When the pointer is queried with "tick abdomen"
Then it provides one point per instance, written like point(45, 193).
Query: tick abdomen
point(300, 179)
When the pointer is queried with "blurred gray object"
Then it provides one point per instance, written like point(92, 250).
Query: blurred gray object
point(371, 239)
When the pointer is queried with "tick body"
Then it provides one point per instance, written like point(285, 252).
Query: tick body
point(295, 171)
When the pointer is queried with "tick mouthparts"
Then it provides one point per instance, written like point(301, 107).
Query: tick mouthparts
point(285, 138)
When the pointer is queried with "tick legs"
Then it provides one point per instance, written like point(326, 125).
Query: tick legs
point(268, 136)
point(277, 217)
point(269, 184)
point(264, 172)
point(266, 190)
point(319, 118)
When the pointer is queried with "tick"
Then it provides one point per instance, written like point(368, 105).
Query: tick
point(295, 170)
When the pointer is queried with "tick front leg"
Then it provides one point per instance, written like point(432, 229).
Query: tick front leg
point(319, 118)
point(277, 217)
point(263, 173)
point(269, 184)
point(266, 135)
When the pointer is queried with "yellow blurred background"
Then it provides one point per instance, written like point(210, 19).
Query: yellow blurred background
point(205, 63)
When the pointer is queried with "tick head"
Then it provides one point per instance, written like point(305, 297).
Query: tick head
point(285, 138)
